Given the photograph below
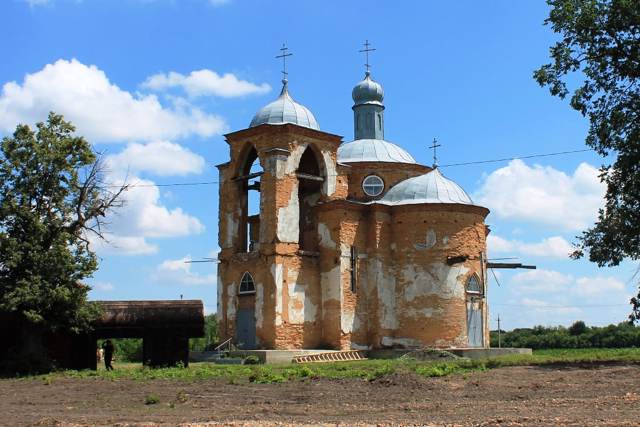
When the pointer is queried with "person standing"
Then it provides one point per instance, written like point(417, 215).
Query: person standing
point(108, 349)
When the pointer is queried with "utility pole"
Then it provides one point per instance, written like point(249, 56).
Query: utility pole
point(499, 343)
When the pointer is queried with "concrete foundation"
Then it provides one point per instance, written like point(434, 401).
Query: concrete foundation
point(286, 356)
point(276, 356)
point(470, 353)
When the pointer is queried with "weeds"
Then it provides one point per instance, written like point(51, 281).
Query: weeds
point(151, 399)
point(366, 369)
point(381, 371)
point(251, 360)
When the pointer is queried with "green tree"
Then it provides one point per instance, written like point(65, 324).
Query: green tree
point(598, 56)
point(210, 335)
point(52, 202)
point(578, 328)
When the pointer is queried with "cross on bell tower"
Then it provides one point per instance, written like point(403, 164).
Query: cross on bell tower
point(434, 146)
point(284, 54)
point(366, 50)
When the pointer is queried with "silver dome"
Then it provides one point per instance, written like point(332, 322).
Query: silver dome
point(373, 150)
point(432, 187)
point(285, 110)
point(367, 91)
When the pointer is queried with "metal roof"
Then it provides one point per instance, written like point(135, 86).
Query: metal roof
point(432, 187)
point(367, 91)
point(285, 110)
point(373, 150)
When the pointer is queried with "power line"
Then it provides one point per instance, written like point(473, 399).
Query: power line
point(174, 184)
point(187, 184)
point(506, 159)
point(179, 184)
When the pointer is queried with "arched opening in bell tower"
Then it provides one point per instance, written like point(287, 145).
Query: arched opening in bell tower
point(250, 175)
point(311, 177)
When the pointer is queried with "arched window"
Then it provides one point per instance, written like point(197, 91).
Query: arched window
point(310, 179)
point(246, 284)
point(473, 285)
point(249, 180)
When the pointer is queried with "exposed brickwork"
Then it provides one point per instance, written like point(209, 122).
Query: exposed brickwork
point(391, 174)
point(406, 292)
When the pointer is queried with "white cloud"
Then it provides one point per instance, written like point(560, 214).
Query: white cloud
point(178, 272)
point(543, 194)
point(181, 264)
point(551, 298)
point(551, 282)
point(555, 246)
point(540, 309)
point(541, 281)
point(498, 244)
point(102, 286)
point(599, 285)
point(143, 216)
point(100, 110)
point(205, 82)
point(122, 245)
point(552, 247)
point(160, 157)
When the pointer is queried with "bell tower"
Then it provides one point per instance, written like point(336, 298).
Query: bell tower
point(281, 168)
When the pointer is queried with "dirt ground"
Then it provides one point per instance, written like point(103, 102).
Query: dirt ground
point(557, 395)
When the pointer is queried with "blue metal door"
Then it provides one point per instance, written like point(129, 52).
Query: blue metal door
point(246, 329)
point(474, 324)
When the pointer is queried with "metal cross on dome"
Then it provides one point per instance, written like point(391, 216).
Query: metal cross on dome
point(285, 52)
point(434, 146)
point(366, 50)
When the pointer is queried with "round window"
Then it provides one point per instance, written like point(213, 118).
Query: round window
point(373, 185)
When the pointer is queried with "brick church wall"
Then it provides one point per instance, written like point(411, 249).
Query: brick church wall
point(406, 292)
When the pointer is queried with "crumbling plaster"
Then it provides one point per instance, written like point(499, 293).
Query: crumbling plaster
point(406, 292)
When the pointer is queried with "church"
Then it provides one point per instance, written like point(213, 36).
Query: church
point(339, 245)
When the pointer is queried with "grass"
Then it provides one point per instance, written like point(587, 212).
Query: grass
point(367, 370)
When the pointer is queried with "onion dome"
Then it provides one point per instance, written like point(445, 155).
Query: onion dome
point(367, 91)
point(285, 110)
point(432, 187)
point(373, 150)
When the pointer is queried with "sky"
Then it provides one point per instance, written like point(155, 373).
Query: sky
point(155, 84)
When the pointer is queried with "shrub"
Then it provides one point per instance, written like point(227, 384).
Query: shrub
point(251, 360)
point(151, 399)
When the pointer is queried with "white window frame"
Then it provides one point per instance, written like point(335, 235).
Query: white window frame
point(247, 278)
point(364, 185)
point(477, 279)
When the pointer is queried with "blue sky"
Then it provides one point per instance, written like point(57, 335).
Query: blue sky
point(154, 84)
